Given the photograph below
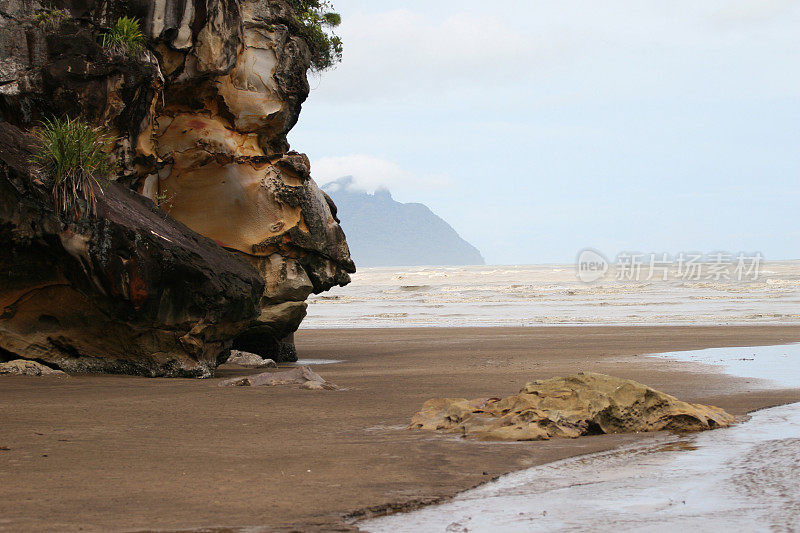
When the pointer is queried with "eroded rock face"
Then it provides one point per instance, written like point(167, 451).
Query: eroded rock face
point(129, 291)
point(583, 404)
point(220, 160)
point(202, 118)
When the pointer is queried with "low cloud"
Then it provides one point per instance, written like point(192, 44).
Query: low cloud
point(371, 173)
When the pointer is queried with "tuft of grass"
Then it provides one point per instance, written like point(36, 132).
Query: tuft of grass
point(164, 199)
point(51, 18)
point(124, 37)
point(72, 153)
point(316, 20)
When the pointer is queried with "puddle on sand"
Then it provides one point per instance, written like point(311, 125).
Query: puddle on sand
point(780, 363)
point(310, 362)
point(742, 478)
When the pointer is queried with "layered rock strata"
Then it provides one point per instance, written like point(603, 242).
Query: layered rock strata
point(201, 117)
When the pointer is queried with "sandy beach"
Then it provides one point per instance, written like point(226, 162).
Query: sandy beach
point(399, 267)
point(122, 453)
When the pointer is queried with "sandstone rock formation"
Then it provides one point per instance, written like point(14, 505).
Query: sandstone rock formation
point(582, 404)
point(23, 367)
point(300, 375)
point(249, 360)
point(201, 118)
point(128, 291)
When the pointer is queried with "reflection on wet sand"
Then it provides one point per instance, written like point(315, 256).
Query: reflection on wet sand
point(742, 478)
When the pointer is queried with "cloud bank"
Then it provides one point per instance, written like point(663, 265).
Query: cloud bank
point(371, 173)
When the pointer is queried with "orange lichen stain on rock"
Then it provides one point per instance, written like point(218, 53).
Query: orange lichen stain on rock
point(137, 288)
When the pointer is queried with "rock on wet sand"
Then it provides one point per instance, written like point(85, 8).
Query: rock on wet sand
point(249, 360)
point(582, 404)
point(300, 375)
point(23, 367)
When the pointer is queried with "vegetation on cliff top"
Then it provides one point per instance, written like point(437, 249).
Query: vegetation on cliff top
point(72, 153)
point(317, 19)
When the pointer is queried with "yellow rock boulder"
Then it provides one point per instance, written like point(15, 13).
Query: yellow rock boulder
point(583, 404)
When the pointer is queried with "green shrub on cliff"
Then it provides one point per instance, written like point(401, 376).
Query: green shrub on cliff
point(316, 21)
point(125, 36)
point(51, 18)
point(72, 153)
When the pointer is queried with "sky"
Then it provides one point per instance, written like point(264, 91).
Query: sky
point(539, 128)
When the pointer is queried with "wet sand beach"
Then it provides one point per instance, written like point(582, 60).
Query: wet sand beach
point(126, 453)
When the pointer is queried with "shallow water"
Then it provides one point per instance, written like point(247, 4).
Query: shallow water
point(311, 362)
point(550, 294)
point(743, 478)
point(779, 364)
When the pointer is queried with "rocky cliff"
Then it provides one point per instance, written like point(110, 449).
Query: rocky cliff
point(211, 233)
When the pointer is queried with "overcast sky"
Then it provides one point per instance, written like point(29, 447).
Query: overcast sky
point(538, 128)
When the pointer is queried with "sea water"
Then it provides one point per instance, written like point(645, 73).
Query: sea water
point(742, 478)
point(551, 295)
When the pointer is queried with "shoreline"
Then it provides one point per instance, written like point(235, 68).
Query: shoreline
point(594, 324)
point(715, 480)
point(141, 453)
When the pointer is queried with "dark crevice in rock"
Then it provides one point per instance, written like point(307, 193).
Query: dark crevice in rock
point(6, 355)
point(279, 350)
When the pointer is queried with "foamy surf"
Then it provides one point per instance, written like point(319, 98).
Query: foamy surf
point(541, 295)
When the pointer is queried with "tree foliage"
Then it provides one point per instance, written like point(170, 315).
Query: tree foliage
point(317, 20)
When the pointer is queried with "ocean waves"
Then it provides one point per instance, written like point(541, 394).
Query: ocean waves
point(535, 295)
